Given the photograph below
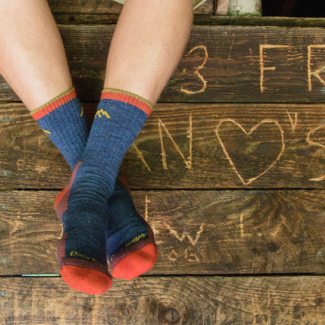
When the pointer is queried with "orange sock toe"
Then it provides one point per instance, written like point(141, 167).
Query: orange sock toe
point(85, 279)
point(136, 263)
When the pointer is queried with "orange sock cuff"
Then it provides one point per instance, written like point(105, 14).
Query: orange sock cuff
point(54, 103)
point(131, 98)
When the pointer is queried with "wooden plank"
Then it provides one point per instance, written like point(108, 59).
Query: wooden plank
point(158, 300)
point(105, 7)
point(98, 7)
point(199, 19)
point(260, 21)
point(220, 64)
point(185, 146)
point(233, 146)
point(197, 232)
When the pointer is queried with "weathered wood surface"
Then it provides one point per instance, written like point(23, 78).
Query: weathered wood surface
point(199, 19)
point(154, 301)
point(185, 146)
point(260, 21)
point(98, 7)
point(220, 64)
point(194, 145)
point(197, 232)
point(104, 7)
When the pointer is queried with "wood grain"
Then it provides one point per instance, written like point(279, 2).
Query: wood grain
point(176, 300)
point(254, 174)
point(101, 7)
point(220, 64)
point(98, 7)
point(197, 232)
point(260, 21)
point(185, 146)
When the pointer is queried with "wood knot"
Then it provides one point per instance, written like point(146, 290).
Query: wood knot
point(169, 316)
point(318, 301)
point(272, 247)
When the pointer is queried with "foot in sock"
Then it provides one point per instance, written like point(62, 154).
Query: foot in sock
point(130, 243)
point(131, 249)
point(80, 251)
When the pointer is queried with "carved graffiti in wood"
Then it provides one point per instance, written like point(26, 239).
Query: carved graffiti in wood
point(252, 130)
point(197, 71)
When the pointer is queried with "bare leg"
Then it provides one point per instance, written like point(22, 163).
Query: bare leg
point(148, 43)
point(32, 57)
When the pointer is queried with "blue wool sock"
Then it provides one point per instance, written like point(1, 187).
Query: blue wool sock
point(81, 250)
point(62, 119)
point(130, 243)
point(120, 231)
point(119, 118)
point(115, 126)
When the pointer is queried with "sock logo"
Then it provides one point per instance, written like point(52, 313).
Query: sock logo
point(75, 253)
point(46, 131)
point(135, 239)
point(101, 112)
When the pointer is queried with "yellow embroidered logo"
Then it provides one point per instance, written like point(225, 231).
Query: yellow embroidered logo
point(46, 131)
point(75, 253)
point(81, 111)
point(101, 112)
point(135, 239)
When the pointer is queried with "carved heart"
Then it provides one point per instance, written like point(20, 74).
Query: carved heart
point(252, 130)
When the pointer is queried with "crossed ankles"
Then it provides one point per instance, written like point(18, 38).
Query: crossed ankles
point(130, 250)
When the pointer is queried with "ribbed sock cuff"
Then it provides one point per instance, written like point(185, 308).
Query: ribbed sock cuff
point(54, 103)
point(131, 98)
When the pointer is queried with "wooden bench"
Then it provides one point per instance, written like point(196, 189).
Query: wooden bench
point(229, 171)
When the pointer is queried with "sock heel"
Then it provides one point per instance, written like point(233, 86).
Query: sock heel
point(82, 275)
